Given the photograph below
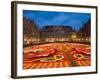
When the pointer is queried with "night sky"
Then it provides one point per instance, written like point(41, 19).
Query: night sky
point(43, 18)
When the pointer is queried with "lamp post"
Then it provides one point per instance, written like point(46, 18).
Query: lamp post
point(74, 36)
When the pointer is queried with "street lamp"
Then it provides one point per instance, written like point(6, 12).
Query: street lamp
point(74, 36)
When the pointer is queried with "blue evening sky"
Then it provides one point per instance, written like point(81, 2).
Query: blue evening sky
point(43, 18)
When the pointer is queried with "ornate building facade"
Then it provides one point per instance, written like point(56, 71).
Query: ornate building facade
point(56, 33)
point(85, 32)
point(31, 32)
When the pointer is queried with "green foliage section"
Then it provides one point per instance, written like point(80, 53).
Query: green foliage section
point(73, 63)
